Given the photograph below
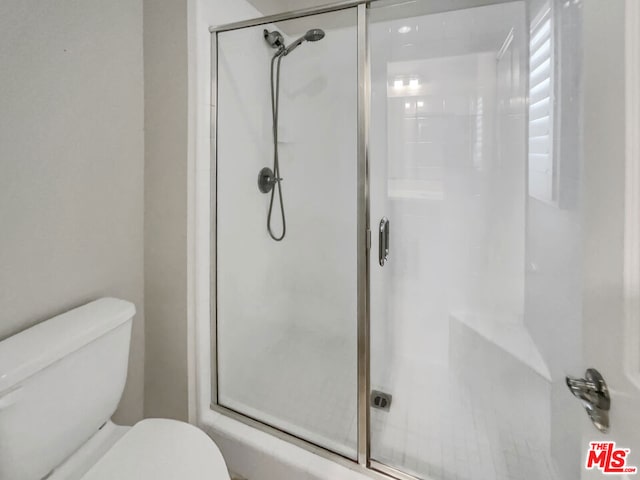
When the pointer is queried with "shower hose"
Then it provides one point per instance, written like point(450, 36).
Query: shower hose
point(275, 94)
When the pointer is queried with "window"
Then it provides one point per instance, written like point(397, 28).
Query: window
point(541, 161)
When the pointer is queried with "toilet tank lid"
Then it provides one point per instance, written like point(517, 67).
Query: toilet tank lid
point(34, 349)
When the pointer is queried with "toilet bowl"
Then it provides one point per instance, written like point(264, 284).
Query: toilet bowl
point(60, 383)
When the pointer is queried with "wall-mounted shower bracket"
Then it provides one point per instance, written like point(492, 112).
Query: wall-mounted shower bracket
point(266, 180)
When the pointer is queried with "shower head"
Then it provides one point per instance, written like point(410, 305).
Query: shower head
point(312, 35)
point(274, 39)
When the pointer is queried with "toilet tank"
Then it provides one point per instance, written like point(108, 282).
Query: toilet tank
point(60, 381)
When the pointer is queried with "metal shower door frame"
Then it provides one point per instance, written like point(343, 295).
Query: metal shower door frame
point(363, 459)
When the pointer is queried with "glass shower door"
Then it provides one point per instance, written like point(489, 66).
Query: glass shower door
point(503, 266)
point(287, 310)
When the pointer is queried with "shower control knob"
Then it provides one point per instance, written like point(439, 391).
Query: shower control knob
point(266, 180)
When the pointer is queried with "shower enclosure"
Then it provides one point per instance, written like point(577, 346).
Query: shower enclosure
point(453, 180)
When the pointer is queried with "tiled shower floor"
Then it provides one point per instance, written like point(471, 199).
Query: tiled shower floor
point(305, 383)
point(299, 382)
point(436, 428)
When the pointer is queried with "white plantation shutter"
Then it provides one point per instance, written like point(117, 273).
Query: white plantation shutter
point(541, 162)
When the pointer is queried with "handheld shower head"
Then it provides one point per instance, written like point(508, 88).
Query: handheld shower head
point(312, 35)
point(269, 180)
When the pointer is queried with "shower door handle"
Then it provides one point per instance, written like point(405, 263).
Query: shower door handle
point(383, 241)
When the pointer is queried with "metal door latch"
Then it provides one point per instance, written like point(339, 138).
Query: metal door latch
point(593, 392)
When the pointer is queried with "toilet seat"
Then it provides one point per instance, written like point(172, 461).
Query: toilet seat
point(160, 449)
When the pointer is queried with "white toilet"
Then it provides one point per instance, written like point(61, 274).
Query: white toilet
point(60, 382)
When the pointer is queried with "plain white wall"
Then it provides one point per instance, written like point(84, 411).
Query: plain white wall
point(71, 164)
point(165, 222)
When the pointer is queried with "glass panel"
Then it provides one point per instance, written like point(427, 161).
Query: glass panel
point(286, 310)
point(475, 161)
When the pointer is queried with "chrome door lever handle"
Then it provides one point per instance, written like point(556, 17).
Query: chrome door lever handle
point(383, 241)
point(593, 392)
